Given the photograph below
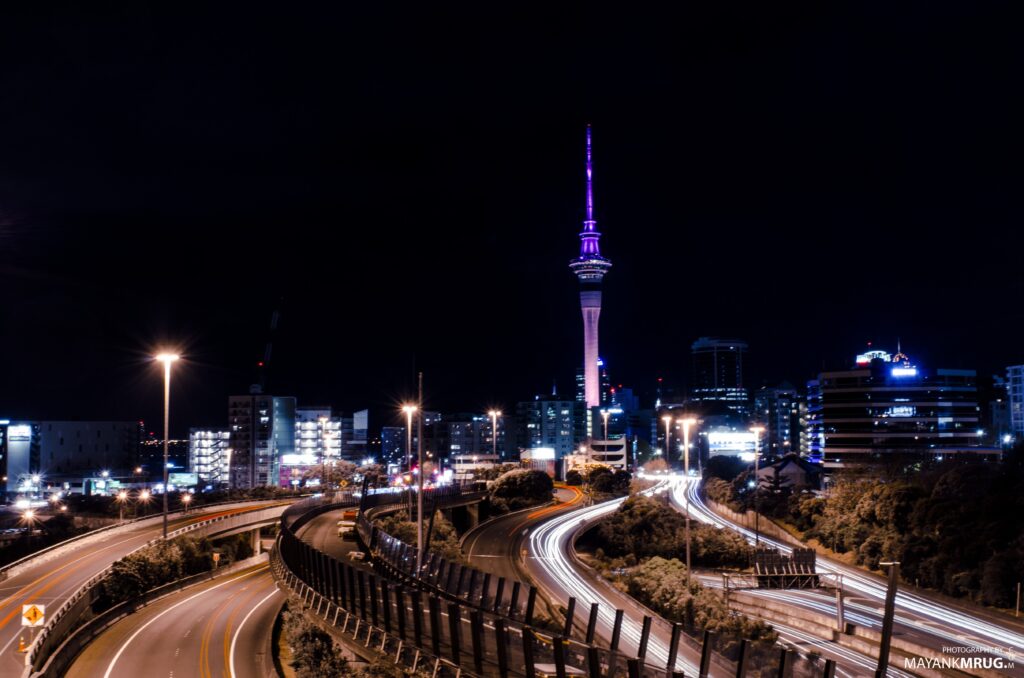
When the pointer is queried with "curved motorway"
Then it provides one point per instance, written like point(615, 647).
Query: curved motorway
point(218, 628)
point(51, 580)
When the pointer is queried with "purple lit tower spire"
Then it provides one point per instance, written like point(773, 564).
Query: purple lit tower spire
point(590, 267)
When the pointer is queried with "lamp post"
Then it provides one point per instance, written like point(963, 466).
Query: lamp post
point(756, 430)
point(668, 422)
point(144, 500)
point(687, 423)
point(494, 414)
point(122, 497)
point(166, 359)
point(186, 499)
point(409, 411)
point(604, 415)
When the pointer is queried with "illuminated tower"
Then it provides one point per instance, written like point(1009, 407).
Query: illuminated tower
point(590, 268)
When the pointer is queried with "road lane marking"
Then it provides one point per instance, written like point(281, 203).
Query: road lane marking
point(238, 631)
point(124, 646)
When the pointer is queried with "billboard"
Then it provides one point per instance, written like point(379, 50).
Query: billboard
point(183, 479)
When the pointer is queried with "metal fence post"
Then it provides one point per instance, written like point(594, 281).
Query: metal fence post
point(454, 637)
point(434, 610)
point(705, 655)
point(592, 624)
point(501, 646)
point(785, 658)
point(673, 649)
point(593, 662)
point(528, 664)
point(531, 603)
point(558, 651)
point(417, 618)
point(570, 612)
point(616, 631)
point(476, 631)
point(741, 660)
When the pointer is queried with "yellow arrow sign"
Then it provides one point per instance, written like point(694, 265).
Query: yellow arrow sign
point(33, 615)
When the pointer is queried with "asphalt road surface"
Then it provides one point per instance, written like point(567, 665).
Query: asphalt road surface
point(51, 582)
point(218, 628)
point(919, 618)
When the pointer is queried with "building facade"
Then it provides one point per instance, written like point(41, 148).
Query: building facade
point(887, 408)
point(1015, 394)
point(261, 431)
point(717, 374)
point(209, 455)
point(778, 410)
point(548, 422)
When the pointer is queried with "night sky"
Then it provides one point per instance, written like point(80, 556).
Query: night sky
point(405, 185)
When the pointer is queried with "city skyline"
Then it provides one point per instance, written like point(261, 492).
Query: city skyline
point(392, 242)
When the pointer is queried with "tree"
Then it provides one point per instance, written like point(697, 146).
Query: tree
point(314, 654)
point(656, 465)
point(573, 478)
point(726, 467)
point(519, 489)
point(611, 483)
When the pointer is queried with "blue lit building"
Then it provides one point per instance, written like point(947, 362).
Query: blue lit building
point(886, 407)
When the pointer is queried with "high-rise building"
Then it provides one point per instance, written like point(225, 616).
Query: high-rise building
point(1015, 392)
point(606, 384)
point(392, 444)
point(887, 408)
point(718, 372)
point(590, 268)
point(262, 431)
point(88, 447)
point(209, 456)
point(548, 422)
point(778, 410)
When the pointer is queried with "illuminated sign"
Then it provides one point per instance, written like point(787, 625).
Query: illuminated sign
point(22, 432)
point(298, 459)
point(731, 442)
point(541, 453)
point(904, 372)
point(866, 358)
point(183, 479)
point(901, 411)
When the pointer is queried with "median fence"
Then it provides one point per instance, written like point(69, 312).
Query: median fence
point(447, 623)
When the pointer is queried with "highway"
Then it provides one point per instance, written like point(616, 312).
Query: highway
point(552, 567)
point(918, 619)
point(218, 628)
point(51, 580)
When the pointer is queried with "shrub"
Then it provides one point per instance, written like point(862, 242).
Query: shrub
point(520, 488)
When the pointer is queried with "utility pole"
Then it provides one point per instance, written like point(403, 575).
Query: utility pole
point(890, 608)
point(419, 495)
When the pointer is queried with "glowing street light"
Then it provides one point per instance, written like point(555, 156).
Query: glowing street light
point(668, 422)
point(604, 415)
point(167, 359)
point(122, 497)
point(144, 497)
point(687, 423)
point(494, 414)
point(409, 411)
point(757, 430)
point(186, 499)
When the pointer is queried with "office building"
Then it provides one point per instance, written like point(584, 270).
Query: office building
point(886, 408)
point(778, 410)
point(590, 268)
point(717, 374)
point(548, 422)
point(209, 456)
point(392, 444)
point(1015, 394)
point(262, 431)
point(88, 447)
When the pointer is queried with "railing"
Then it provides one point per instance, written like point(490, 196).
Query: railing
point(78, 605)
point(8, 570)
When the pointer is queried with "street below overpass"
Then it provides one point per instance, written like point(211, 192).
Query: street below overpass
point(221, 627)
point(51, 580)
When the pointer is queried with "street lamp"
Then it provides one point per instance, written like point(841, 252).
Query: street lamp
point(167, 359)
point(409, 411)
point(122, 497)
point(604, 415)
point(494, 414)
point(687, 423)
point(757, 430)
point(144, 500)
point(668, 422)
point(186, 499)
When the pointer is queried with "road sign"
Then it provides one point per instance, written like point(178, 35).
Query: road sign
point(33, 615)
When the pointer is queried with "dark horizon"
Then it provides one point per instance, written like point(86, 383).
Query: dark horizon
point(805, 181)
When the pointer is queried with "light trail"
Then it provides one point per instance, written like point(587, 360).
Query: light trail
point(967, 626)
point(548, 547)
